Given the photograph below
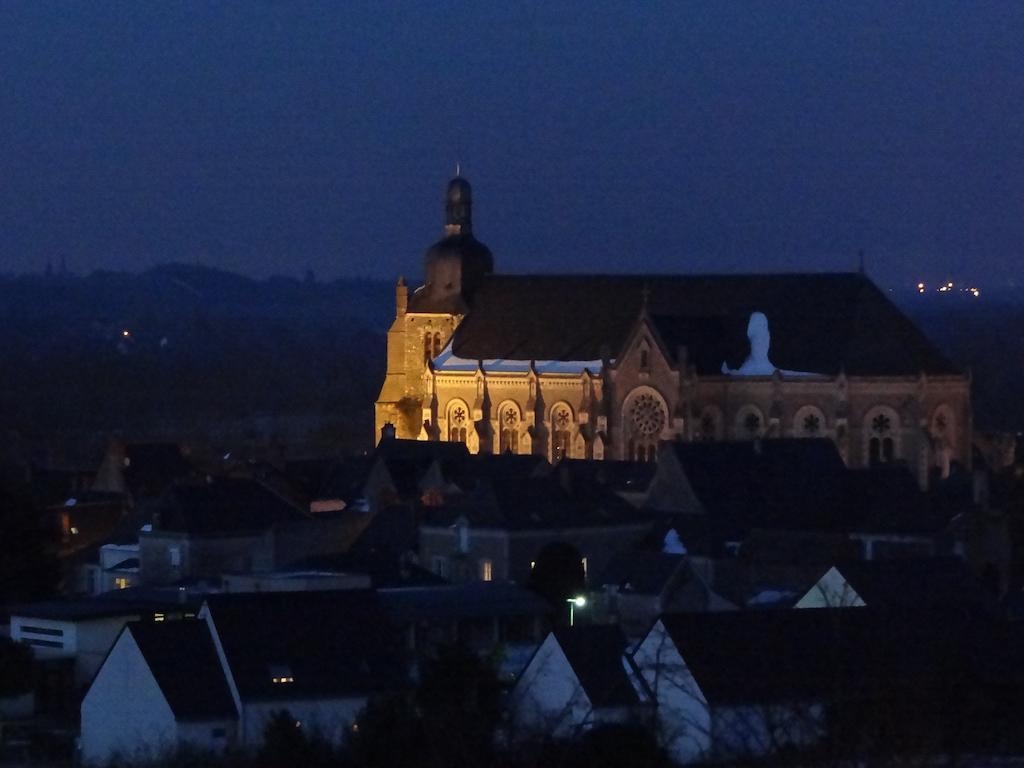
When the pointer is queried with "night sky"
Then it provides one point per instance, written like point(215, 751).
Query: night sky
point(279, 137)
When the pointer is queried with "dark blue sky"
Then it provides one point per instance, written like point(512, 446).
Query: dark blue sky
point(279, 137)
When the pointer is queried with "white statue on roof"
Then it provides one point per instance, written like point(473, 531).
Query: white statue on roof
point(757, 362)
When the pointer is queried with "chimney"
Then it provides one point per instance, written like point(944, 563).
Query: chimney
point(387, 432)
point(401, 297)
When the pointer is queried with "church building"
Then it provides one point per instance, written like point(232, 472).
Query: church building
point(607, 366)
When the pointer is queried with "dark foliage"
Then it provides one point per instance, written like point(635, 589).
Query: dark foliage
point(28, 562)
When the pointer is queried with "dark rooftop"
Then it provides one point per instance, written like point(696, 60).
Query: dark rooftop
point(819, 323)
point(184, 662)
point(222, 505)
point(595, 654)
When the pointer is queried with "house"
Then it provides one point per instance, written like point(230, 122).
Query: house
point(639, 586)
point(81, 631)
point(746, 684)
point(317, 655)
point(141, 471)
point(580, 677)
point(900, 584)
point(486, 617)
point(501, 517)
point(207, 527)
point(160, 688)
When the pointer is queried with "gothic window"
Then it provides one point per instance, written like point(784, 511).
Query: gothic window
point(645, 361)
point(458, 422)
point(647, 418)
point(427, 348)
point(708, 426)
point(881, 440)
point(752, 424)
point(561, 432)
point(509, 430)
point(437, 344)
point(812, 424)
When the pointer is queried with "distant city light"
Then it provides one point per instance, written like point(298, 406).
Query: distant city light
point(126, 333)
point(920, 287)
point(975, 291)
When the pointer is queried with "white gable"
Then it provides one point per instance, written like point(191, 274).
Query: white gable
point(548, 697)
point(831, 591)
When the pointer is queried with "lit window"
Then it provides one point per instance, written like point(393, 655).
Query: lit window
point(74, 531)
point(486, 570)
point(583, 562)
point(281, 674)
point(174, 554)
point(121, 582)
point(158, 617)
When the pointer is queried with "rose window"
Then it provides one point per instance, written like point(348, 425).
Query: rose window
point(647, 414)
point(881, 423)
point(812, 424)
point(510, 417)
point(459, 415)
point(562, 419)
point(940, 423)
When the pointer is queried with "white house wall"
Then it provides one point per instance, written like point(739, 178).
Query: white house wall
point(683, 715)
point(125, 712)
point(548, 698)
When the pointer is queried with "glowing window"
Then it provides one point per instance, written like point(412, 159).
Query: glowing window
point(486, 570)
point(121, 582)
point(281, 674)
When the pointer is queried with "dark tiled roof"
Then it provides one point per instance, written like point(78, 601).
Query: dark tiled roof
point(222, 506)
point(821, 323)
point(764, 656)
point(152, 467)
point(184, 662)
point(618, 476)
point(333, 643)
point(456, 601)
point(916, 582)
point(645, 573)
point(595, 654)
point(512, 502)
point(794, 484)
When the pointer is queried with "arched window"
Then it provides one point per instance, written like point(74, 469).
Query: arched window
point(749, 423)
point(881, 426)
point(437, 344)
point(708, 426)
point(458, 422)
point(508, 434)
point(561, 432)
point(428, 348)
point(809, 421)
point(645, 359)
point(644, 419)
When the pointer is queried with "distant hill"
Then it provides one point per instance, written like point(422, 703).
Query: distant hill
point(188, 351)
point(216, 358)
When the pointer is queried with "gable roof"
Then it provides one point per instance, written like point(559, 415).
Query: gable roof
point(794, 484)
point(596, 654)
point(182, 657)
point(222, 505)
point(513, 501)
point(820, 323)
point(915, 583)
point(749, 656)
point(333, 643)
point(643, 573)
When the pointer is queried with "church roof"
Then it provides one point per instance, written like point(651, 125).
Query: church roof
point(819, 323)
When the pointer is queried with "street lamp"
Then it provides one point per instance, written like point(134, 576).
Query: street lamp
point(575, 602)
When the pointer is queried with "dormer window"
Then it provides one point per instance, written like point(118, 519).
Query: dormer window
point(281, 674)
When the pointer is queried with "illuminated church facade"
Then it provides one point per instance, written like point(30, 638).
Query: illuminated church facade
point(607, 366)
